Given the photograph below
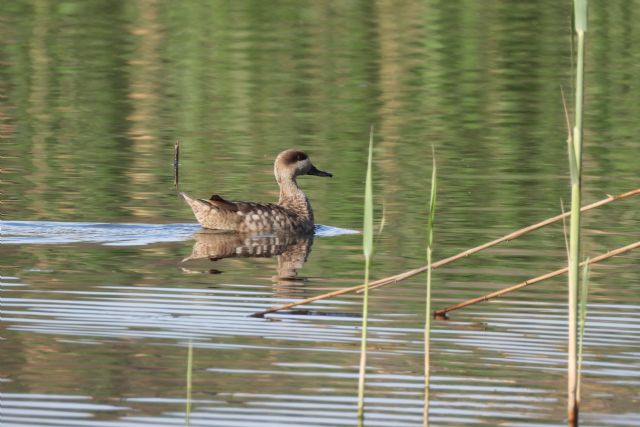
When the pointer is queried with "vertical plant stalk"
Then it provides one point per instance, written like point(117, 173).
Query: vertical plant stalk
point(187, 409)
point(427, 322)
point(575, 165)
point(367, 248)
point(584, 290)
point(176, 164)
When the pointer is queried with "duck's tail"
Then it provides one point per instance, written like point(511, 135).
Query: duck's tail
point(187, 198)
point(190, 200)
point(200, 208)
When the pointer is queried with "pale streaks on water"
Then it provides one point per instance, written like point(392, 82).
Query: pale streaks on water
point(111, 234)
point(520, 349)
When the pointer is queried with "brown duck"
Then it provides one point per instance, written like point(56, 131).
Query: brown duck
point(292, 213)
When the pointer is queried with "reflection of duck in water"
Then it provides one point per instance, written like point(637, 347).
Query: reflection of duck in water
point(292, 213)
point(291, 249)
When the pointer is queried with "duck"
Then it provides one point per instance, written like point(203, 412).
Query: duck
point(292, 212)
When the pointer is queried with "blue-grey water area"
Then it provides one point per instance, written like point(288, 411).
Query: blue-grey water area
point(118, 311)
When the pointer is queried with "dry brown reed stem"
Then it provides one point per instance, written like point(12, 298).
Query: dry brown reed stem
point(508, 237)
point(546, 276)
point(407, 274)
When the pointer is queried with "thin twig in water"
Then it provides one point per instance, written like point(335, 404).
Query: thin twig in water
point(176, 163)
point(526, 283)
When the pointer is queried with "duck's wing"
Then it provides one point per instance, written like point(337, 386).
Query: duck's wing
point(218, 202)
point(221, 214)
point(243, 208)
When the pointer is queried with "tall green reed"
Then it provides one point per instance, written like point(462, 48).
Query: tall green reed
point(187, 409)
point(428, 315)
point(582, 319)
point(575, 166)
point(367, 248)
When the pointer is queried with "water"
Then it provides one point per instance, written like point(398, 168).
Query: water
point(107, 281)
point(114, 234)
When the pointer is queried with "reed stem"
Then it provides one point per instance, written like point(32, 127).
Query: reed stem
point(363, 347)
point(410, 273)
point(535, 280)
point(367, 249)
point(427, 323)
point(187, 410)
point(176, 165)
point(575, 165)
point(582, 318)
point(574, 257)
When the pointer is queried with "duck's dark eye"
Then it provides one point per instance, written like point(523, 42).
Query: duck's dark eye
point(301, 156)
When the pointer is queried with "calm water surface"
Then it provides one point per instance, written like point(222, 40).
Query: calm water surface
point(106, 282)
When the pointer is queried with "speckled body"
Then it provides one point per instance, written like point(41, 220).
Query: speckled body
point(292, 213)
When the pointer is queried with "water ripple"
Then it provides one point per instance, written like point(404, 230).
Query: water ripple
point(112, 234)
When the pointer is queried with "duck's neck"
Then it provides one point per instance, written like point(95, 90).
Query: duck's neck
point(294, 199)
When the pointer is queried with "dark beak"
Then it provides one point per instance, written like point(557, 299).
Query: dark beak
point(317, 172)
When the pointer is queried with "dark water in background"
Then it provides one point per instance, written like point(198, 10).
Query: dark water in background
point(94, 94)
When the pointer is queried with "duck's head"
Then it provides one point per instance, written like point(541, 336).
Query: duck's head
point(292, 163)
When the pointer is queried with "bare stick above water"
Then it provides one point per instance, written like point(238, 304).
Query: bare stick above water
point(546, 276)
point(176, 163)
point(407, 274)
